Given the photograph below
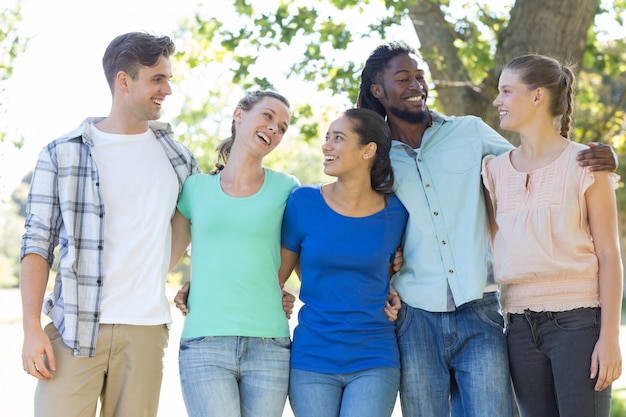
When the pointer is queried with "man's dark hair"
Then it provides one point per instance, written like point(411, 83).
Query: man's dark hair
point(129, 51)
point(374, 66)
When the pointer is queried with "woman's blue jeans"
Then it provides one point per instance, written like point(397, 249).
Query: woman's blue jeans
point(367, 393)
point(454, 362)
point(550, 356)
point(231, 376)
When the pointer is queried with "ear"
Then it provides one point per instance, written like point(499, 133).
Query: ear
point(376, 90)
point(122, 79)
point(237, 114)
point(539, 96)
point(369, 150)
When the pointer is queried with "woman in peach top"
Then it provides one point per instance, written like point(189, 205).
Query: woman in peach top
point(556, 249)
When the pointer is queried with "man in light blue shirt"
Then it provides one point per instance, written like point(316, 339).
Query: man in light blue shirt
point(450, 330)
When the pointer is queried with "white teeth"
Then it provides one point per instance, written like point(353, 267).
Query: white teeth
point(504, 113)
point(414, 99)
point(329, 158)
point(159, 102)
point(264, 138)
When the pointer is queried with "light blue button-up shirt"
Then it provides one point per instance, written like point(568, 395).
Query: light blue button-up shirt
point(447, 248)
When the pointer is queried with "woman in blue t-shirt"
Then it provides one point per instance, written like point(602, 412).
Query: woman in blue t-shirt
point(344, 235)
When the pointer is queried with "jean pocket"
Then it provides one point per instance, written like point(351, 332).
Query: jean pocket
point(488, 310)
point(190, 341)
point(283, 342)
point(403, 320)
point(578, 319)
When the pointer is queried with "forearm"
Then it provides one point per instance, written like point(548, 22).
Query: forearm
point(33, 280)
point(610, 281)
point(181, 236)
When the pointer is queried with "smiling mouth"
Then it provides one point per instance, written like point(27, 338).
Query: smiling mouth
point(264, 138)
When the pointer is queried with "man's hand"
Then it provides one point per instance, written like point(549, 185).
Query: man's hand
point(398, 260)
point(180, 300)
point(37, 355)
point(288, 302)
point(392, 307)
point(599, 157)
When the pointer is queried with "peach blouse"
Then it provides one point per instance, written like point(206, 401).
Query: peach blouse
point(543, 250)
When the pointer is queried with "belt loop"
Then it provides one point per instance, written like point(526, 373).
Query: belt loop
point(550, 315)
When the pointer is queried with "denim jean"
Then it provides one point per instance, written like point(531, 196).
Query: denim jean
point(231, 376)
point(367, 393)
point(454, 360)
point(550, 356)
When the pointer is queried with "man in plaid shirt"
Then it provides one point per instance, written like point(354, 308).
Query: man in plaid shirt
point(104, 194)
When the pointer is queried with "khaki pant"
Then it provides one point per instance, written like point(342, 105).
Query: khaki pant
point(125, 374)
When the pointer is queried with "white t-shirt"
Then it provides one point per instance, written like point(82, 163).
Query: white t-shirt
point(139, 190)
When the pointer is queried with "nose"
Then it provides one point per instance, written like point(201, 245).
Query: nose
point(496, 101)
point(167, 90)
point(326, 145)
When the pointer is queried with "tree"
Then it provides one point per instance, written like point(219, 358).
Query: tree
point(11, 45)
point(464, 45)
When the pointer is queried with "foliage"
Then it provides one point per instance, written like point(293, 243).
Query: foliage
point(618, 403)
point(11, 229)
point(11, 45)
point(316, 42)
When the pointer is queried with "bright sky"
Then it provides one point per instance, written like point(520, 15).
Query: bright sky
point(58, 80)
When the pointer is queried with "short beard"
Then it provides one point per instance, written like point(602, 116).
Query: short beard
point(420, 118)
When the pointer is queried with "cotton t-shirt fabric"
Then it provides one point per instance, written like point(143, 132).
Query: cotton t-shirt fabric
point(130, 166)
point(235, 256)
point(345, 281)
point(543, 249)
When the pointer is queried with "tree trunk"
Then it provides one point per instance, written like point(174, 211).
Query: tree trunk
point(554, 28)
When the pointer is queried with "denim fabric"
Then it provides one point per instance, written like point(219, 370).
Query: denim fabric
point(232, 376)
point(454, 359)
point(550, 356)
point(367, 393)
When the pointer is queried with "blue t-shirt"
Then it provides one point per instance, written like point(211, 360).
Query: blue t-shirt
point(344, 264)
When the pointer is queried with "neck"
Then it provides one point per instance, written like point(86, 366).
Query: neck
point(242, 176)
point(407, 132)
point(354, 198)
point(122, 125)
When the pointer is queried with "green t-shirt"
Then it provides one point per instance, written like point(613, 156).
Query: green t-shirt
point(235, 256)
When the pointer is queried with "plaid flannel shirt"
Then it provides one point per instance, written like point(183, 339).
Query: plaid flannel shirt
point(65, 209)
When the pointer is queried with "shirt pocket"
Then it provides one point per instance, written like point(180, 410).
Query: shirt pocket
point(458, 159)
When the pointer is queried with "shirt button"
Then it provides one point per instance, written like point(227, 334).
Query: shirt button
point(443, 242)
point(427, 185)
point(451, 271)
point(436, 213)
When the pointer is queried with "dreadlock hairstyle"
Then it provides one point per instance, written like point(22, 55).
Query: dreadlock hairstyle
point(374, 66)
point(539, 71)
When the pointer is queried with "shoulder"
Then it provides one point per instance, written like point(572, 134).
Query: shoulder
point(197, 180)
point(394, 204)
point(282, 177)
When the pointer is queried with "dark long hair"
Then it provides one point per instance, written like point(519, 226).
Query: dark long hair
point(371, 127)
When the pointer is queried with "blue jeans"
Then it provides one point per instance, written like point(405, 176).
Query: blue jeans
point(367, 393)
point(454, 359)
point(231, 376)
point(550, 356)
